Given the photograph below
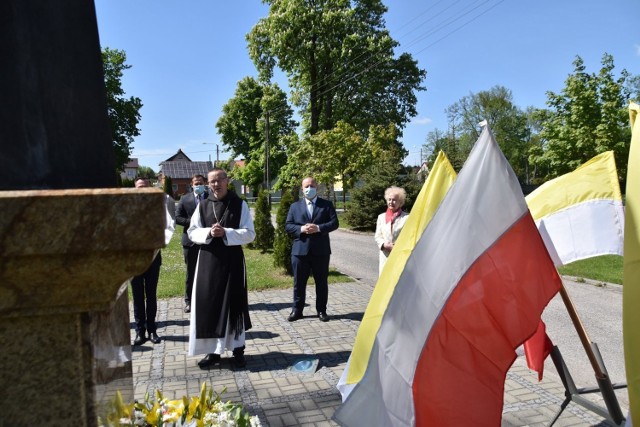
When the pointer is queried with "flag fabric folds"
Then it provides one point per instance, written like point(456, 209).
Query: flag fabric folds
point(470, 293)
point(433, 191)
point(631, 277)
point(537, 348)
point(580, 214)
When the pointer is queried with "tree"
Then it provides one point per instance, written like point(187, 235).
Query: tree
point(242, 128)
point(507, 122)
point(262, 222)
point(340, 154)
point(367, 200)
point(146, 172)
point(283, 243)
point(588, 117)
point(340, 62)
point(124, 113)
point(167, 185)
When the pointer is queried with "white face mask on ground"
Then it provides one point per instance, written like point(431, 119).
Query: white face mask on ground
point(309, 192)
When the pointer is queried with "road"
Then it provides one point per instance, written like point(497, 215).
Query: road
point(599, 308)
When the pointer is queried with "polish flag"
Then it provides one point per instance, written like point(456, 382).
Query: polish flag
point(471, 292)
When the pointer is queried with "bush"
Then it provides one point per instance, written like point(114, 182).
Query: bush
point(367, 201)
point(167, 186)
point(283, 243)
point(262, 223)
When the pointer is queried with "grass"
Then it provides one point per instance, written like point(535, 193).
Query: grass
point(606, 268)
point(261, 274)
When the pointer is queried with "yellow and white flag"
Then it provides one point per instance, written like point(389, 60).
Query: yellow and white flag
point(580, 214)
point(631, 280)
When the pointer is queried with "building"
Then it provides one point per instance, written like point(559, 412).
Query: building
point(180, 168)
point(130, 171)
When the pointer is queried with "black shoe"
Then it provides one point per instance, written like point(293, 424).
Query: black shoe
point(323, 316)
point(154, 338)
point(209, 360)
point(240, 360)
point(294, 315)
point(140, 339)
point(187, 308)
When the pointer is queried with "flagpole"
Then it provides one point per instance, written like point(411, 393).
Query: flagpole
point(604, 382)
point(582, 332)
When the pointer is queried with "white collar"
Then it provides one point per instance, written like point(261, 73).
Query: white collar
point(312, 200)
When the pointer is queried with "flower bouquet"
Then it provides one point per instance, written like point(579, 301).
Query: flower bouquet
point(206, 410)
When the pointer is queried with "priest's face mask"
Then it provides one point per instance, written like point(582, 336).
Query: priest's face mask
point(218, 183)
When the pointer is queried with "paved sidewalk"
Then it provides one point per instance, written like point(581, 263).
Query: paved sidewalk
point(280, 397)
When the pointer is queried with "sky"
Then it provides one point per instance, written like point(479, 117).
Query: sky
point(186, 58)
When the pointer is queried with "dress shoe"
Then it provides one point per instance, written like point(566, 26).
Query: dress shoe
point(187, 308)
point(154, 338)
point(140, 339)
point(294, 315)
point(209, 360)
point(323, 316)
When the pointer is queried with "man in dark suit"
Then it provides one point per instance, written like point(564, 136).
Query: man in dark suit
point(187, 205)
point(309, 222)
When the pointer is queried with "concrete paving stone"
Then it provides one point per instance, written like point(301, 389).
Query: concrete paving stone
point(528, 396)
point(304, 418)
point(289, 419)
point(309, 405)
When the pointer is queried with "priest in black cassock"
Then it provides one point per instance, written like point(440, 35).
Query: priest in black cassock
point(219, 306)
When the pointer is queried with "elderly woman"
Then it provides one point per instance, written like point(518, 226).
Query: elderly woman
point(390, 223)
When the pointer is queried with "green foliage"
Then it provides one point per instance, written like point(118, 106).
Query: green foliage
point(587, 118)
point(242, 127)
point(283, 242)
point(146, 172)
point(167, 186)
point(507, 122)
point(126, 182)
point(339, 59)
point(367, 200)
point(124, 113)
point(262, 223)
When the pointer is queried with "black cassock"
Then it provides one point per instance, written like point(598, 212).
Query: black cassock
point(220, 291)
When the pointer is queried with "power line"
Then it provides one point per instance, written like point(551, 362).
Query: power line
point(438, 27)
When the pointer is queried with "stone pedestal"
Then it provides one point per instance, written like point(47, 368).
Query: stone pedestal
point(65, 257)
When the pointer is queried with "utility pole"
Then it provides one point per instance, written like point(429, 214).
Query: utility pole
point(266, 158)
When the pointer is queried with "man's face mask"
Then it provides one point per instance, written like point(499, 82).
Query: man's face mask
point(309, 192)
point(199, 189)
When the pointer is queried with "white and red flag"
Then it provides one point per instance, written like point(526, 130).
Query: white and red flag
point(471, 292)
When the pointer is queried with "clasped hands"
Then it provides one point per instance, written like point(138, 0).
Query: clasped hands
point(217, 230)
point(310, 228)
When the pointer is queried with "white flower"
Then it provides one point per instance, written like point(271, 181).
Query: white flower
point(254, 421)
point(209, 418)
